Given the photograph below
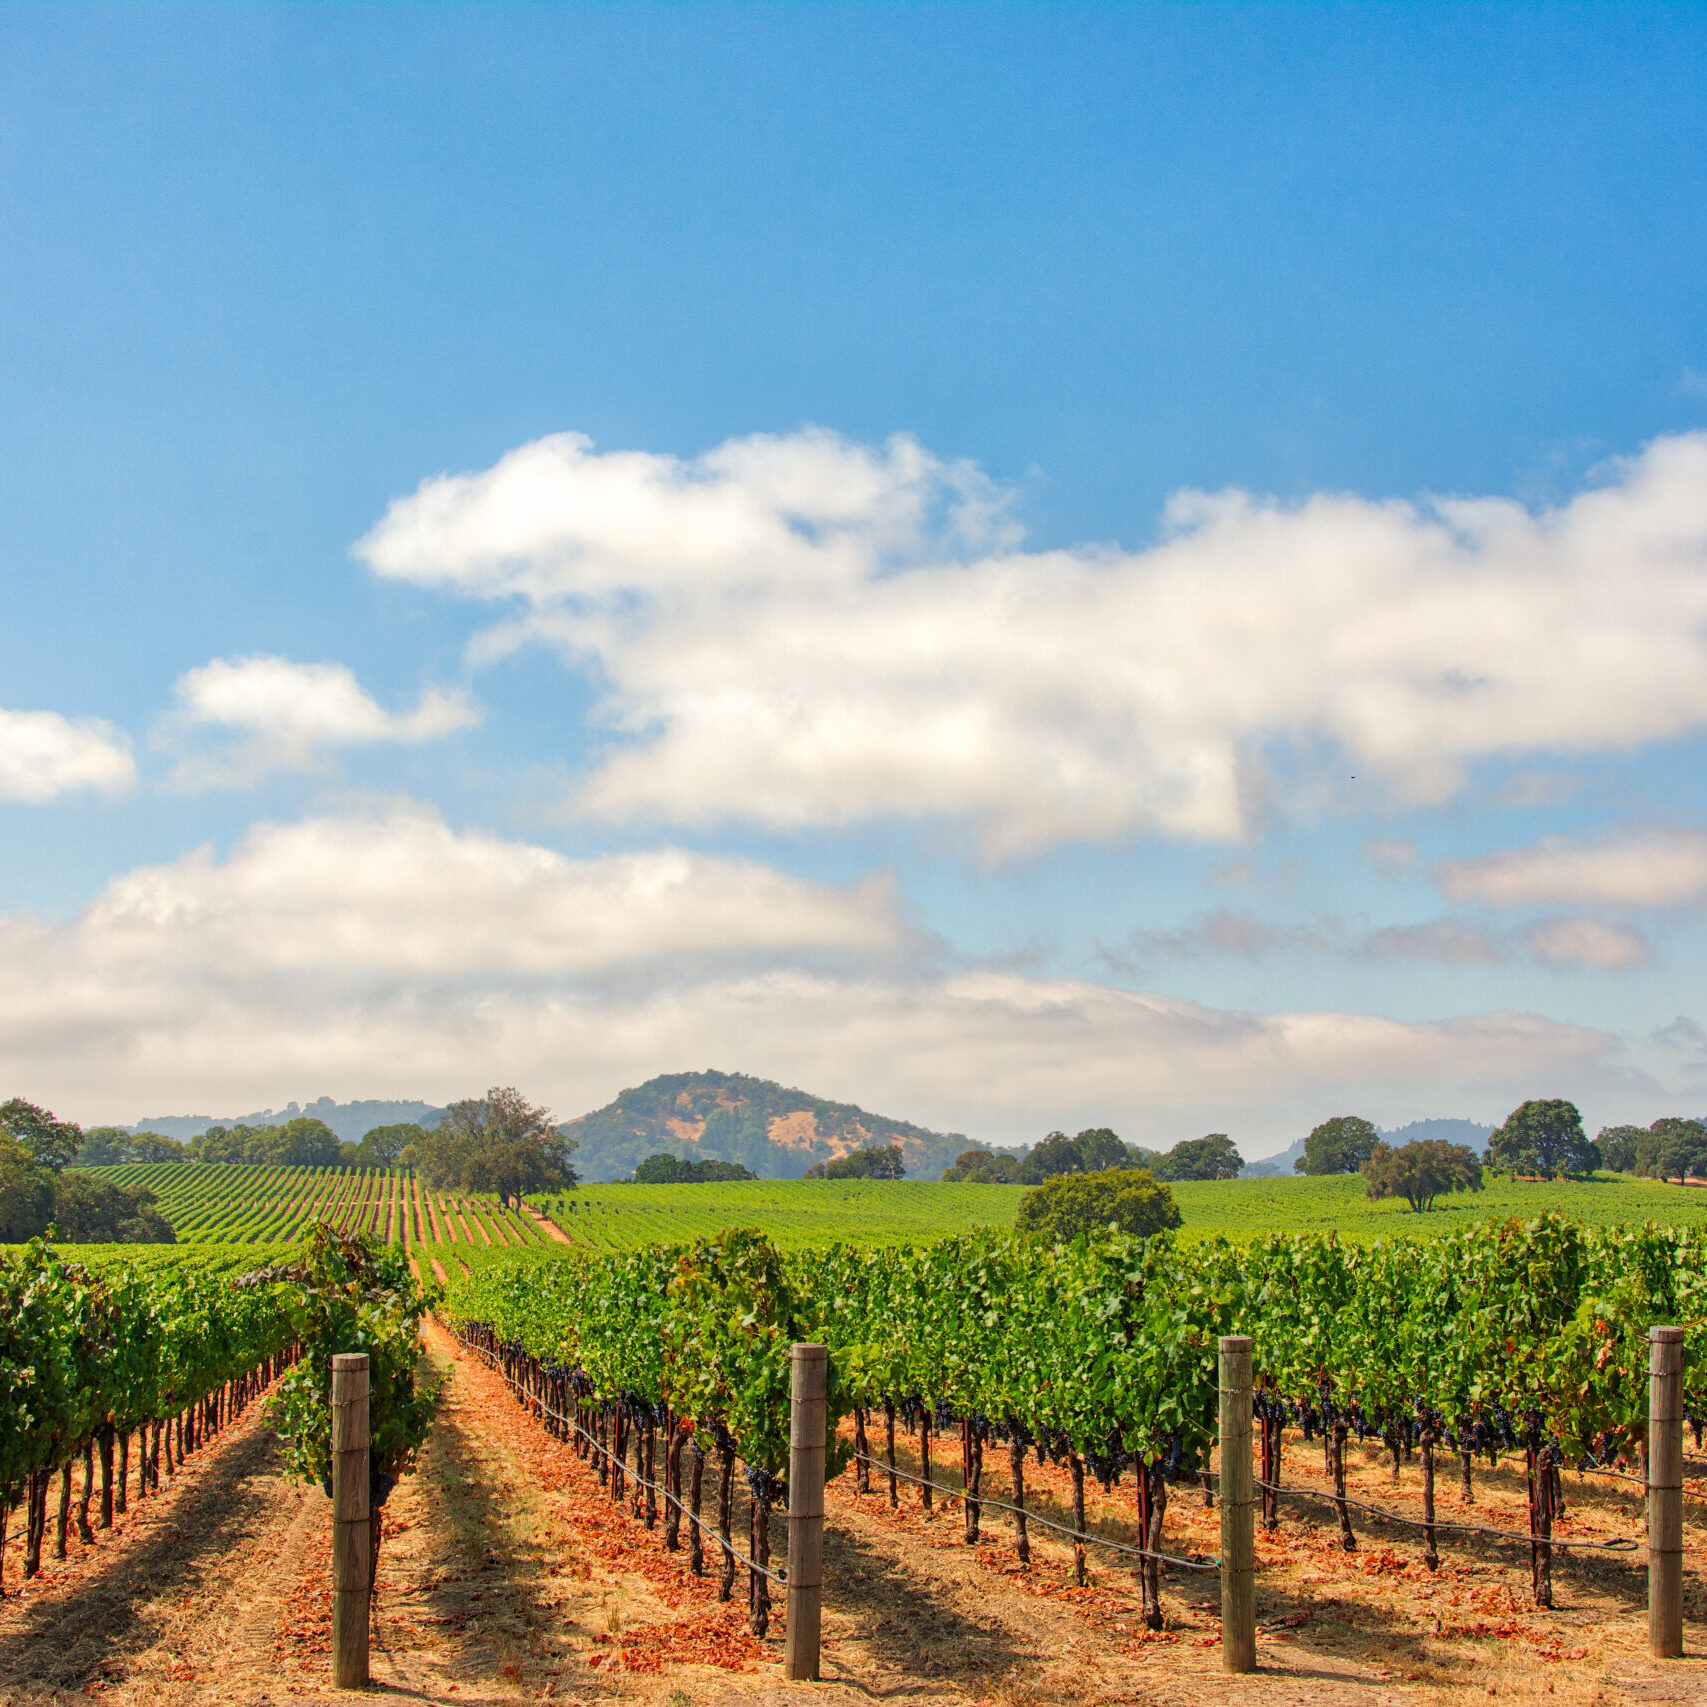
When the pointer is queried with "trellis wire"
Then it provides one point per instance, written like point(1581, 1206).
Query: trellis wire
point(1621, 1544)
point(1043, 1522)
point(780, 1579)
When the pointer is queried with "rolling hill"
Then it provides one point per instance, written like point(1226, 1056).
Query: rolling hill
point(773, 1129)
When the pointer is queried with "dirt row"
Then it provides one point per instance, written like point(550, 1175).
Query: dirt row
point(508, 1575)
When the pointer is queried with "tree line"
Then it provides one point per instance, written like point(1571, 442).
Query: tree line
point(38, 1190)
point(1094, 1150)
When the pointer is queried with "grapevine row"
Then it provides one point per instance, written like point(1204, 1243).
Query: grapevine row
point(165, 1351)
point(1101, 1356)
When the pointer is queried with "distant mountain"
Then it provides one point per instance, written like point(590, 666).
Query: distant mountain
point(348, 1119)
point(1453, 1131)
point(1275, 1167)
point(776, 1131)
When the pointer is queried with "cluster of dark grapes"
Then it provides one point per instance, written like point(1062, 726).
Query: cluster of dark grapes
point(766, 1488)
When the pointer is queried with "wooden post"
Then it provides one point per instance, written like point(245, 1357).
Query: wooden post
point(351, 1540)
point(1665, 1493)
point(1238, 1498)
point(807, 1428)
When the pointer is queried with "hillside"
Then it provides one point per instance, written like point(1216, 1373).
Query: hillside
point(773, 1129)
point(348, 1119)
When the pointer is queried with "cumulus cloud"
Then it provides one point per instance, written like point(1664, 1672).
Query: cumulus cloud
point(800, 631)
point(1664, 866)
point(393, 955)
point(356, 900)
point(281, 715)
point(44, 755)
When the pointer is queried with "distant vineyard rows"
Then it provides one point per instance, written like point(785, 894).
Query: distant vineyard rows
point(230, 1204)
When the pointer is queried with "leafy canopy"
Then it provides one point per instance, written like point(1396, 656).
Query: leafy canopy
point(665, 1169)
point(500, 1143)
point(1618, 1146)
point(1673, 1149)
point(1128, 1200)
point(51, 1142)
point(77, 1207)
point(1214, 1157)
point(382, 1145)
point(301, 1143)
point(874, 1161)
point(1544, 1136)
point(1422, 1170)
point(1338, 1146)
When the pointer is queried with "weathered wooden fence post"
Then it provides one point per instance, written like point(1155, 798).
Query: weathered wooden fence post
point(1238, 1501)
point(1665, 1493)
point(350, 1532)
point(807, 1425)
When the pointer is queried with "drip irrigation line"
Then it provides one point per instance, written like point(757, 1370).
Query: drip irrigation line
point(1621, 1544)
point(1031, 1517)
point(780, 1579)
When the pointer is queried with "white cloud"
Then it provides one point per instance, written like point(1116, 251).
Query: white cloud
point(804, 632)
point(44, 755)
point(358, 901)
point(285, 715)
point(1630, 867)
point(391, 955)
point(1587, 942)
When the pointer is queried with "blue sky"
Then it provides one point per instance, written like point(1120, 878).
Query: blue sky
point(856, 701)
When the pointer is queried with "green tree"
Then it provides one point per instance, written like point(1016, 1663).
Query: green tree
point(665, 1169)
point(1421, 1171)
point(1618, 1146)
point(1544, 1136)
point(301, 1143)
point(499, 1142)
point(1130, 1200)
point(1098, 1147)
point(382, 1145)
point(982, 1167)
point(1213, 1157)
point(103, 1147)
point(92, 1211)
point(26, 1193)
point(1054, 1154)
point(52, 1142)
point(1338, 1146)
point(1673, 1149)
point(874, 1161)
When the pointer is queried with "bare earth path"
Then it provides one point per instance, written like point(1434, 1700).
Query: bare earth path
point(508, 1575)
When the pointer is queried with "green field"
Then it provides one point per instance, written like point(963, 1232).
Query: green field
point(225, 1205)
point(797, 1213)
point(1242, 1208)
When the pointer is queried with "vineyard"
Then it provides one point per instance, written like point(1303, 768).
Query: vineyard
point(237, 1205)
point(1510, 1339)
point(1434, 1411)
point(159, 1351)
